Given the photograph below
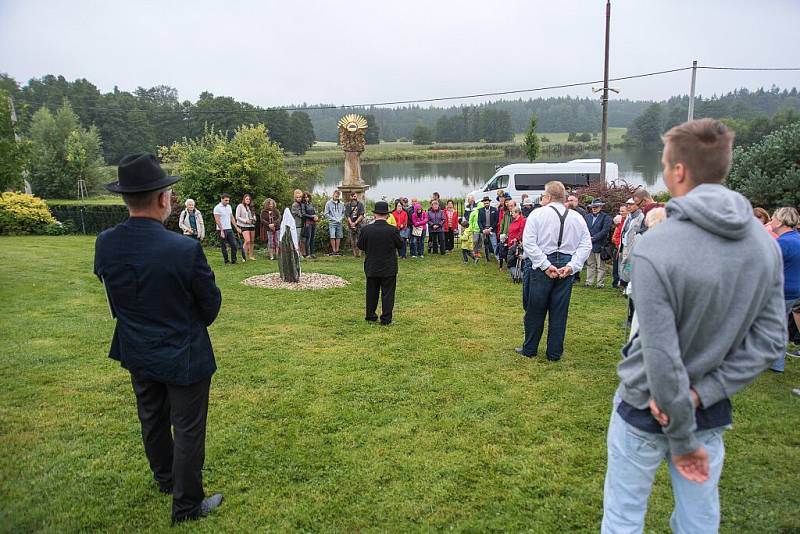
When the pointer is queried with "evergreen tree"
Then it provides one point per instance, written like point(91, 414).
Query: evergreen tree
point(422, 135)
point(301, 133)
point(372, 135)
point(533, 147)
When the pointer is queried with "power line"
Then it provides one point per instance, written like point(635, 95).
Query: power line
point(443, 98)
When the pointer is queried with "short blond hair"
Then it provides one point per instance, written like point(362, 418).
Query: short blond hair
point(787, 217)
point(703, 146)
point(555, 190)
point(655, 216)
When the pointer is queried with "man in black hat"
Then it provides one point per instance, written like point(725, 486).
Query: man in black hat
point(163, 295)
point(381, 241)
point(599, 224)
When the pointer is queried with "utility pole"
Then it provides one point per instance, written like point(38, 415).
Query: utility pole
point(604, 136)
point(691, 91)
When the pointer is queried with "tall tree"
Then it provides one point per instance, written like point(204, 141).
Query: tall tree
point(301, 133)
point(422, 135)
point(12, 156)
point(62, 153)
point(646, 130)
point(372, 135)
point(533, 147)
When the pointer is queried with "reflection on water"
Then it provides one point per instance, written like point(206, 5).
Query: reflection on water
point(456, 178)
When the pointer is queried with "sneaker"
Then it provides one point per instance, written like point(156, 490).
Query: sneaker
point(476, 259)
point(795, 354)
point(413, 257)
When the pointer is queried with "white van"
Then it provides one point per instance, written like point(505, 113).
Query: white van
point(529, 178)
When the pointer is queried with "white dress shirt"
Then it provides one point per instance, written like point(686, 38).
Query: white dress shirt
point(540, 237)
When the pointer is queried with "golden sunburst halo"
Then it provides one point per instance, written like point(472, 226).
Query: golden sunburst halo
point(353, 122)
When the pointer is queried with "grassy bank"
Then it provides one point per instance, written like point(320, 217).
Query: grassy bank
point(321, 422)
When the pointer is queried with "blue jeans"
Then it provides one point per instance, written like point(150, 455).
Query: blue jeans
point(633, 459)
point(417, 245)
point(544, 296)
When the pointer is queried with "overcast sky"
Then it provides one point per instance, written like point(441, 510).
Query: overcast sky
point(274, 53)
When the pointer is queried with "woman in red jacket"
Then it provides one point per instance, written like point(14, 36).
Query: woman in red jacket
point(401, 218)
point(616, 238)
point(450, 225)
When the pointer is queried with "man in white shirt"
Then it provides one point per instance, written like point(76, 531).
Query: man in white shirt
point(556, 242)
point(223, 214)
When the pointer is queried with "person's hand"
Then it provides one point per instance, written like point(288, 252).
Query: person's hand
point(316, 218)
point(222, 234)
point(552, 272)
point(663, 418)
point(272, 226)
point(692, 466)
point(565, 271)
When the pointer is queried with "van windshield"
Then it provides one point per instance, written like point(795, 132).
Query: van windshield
point(532, 182)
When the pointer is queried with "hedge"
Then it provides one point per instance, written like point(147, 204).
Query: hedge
point(95, 218)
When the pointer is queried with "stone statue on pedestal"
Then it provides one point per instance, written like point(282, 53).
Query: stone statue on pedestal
point(351, 137)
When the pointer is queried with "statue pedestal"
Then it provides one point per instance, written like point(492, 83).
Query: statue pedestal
point(352, 182)
point(348, 189)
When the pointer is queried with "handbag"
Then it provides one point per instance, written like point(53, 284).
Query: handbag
point(417, 231)
point(607, 252)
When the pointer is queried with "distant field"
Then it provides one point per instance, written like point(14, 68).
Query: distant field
point(102, 200)
point(615, 136)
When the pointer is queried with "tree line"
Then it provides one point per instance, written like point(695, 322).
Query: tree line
point(147, 118)
point(752, 114)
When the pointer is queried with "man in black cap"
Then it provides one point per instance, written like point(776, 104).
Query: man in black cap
point(163, 295)
point(381, 241)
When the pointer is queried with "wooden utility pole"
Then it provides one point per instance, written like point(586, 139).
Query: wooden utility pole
point(691, 91)
point(604, 135)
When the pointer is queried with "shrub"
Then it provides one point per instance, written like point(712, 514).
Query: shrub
point(94, 218)
point(211, 164)
point(768, 172)
point(23, 214)
point(614, 194)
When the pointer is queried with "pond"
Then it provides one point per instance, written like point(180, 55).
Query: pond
point(456, 178)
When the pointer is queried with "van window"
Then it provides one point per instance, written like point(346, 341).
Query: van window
point(499, 182)
point(532, 182)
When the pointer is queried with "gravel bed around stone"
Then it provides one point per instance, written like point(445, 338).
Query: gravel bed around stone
point(307, 281)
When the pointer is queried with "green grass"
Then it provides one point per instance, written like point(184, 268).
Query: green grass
point(321, 422)
point(102, 200)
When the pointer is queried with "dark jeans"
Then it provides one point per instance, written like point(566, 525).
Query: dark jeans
point(176, 462)
point(402, 250)
point(385, 287)
point(615, 271)
point(230, 239)
point(449, 239)
point(417, 245)
point(308, 239)
point(466, 254)
point(437, 242)
point(544, 296)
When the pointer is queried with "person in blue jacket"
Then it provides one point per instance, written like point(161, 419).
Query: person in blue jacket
point(599, 224)
point(162, 293)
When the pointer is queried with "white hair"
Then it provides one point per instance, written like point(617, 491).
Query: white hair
point(188, 201)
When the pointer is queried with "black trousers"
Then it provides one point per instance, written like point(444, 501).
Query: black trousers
point(230, 239)
point(383, 286)
point(437, 240)
point(449, 239)
point(176, 462)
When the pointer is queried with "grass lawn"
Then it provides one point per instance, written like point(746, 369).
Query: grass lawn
point(319, 421)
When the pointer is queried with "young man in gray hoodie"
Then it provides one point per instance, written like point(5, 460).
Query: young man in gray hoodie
point(710, 321)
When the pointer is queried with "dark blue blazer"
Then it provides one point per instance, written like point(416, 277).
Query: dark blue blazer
point(599, 230)
point(493, 218)
point(163, 295)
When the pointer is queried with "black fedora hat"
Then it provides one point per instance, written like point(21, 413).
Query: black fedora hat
point(381, 208)
point(139, 173)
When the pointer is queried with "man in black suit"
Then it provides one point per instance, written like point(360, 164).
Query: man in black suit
point(380, 240)
point(488, 217)
point(162, 293)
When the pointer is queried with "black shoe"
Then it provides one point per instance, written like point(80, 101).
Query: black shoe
point(553, 360)
point(371, 319)
point(387, 323)
point(165, 488)
point(521, 352)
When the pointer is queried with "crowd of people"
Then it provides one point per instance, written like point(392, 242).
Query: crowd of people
point(712, 284)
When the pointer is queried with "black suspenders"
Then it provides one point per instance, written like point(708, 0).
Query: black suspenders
point(561, 218)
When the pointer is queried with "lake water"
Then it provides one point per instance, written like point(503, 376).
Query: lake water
point(456, 178)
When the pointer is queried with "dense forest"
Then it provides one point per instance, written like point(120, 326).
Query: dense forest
point(146, 118)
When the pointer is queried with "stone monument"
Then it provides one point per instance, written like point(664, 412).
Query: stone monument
point(351, 137)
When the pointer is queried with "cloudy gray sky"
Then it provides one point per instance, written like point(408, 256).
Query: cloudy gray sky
point(344, 52)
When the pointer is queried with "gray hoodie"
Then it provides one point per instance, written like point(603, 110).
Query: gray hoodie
point(708, 288)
